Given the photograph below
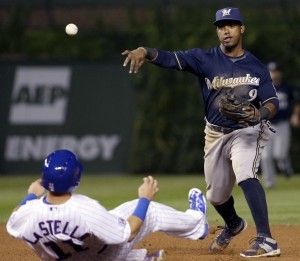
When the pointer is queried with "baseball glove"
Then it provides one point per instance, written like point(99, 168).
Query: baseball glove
point(239, 109)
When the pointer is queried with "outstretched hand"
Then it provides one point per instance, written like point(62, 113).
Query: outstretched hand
point(149, 188)
point(136, 58)
point(36, 188)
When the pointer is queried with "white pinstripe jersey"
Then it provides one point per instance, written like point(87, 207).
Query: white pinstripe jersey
point(79, 229)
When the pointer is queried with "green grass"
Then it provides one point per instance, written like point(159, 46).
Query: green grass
point(112, 190)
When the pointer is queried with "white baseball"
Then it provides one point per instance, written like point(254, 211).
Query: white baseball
point(71, 29)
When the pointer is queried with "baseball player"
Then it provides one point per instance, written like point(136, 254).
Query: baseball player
point(60, 225)
point(232, 147)
point(278, 148)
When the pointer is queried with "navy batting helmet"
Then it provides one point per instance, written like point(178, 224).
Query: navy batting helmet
point(61, 172)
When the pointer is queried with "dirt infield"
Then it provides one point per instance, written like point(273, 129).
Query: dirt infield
point(178, 249)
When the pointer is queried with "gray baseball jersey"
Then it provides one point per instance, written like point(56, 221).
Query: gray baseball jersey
point(82, 229)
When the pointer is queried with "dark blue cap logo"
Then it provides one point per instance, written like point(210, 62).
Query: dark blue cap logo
point(228, 14)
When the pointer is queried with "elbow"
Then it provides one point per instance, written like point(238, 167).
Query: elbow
point(135, 224)
point(134, 233)
point(275, 108)
point(132, 236)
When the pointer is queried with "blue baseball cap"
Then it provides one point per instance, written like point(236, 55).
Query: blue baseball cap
point(228, 14)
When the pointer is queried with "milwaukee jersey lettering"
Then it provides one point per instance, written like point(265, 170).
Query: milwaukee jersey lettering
point(246, 76)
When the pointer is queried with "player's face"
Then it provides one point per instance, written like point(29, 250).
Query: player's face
point(230, 34)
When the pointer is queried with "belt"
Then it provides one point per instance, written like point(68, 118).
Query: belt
point(225, 130)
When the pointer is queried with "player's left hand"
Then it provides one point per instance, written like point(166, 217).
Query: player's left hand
point(36, 188)
point(149, 188)
point(239, 109)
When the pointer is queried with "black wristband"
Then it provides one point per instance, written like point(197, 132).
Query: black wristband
point(151, 53)
point(265, 113)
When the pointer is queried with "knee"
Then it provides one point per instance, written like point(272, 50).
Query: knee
point(215, 200)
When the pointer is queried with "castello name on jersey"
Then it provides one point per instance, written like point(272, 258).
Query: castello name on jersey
point(221, 82)
point(52, 227)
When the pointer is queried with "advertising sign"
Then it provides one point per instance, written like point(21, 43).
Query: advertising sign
point(86, 108)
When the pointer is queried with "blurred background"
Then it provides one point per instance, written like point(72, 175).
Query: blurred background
point(61, 91)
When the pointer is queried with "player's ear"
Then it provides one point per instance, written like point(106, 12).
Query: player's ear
point(243, 28)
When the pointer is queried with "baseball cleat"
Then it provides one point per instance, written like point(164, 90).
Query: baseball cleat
point(157, 256)
point(226, 235)
point(198, 203)
point(262, 247)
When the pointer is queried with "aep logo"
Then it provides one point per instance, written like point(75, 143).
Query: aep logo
point(40, 95)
